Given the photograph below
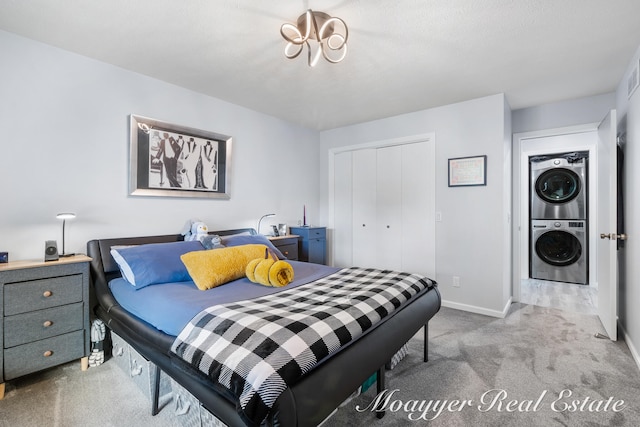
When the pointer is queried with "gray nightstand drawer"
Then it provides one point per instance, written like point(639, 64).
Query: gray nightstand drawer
point(32, 357)
point(22, 297)
point(290, 251)
point(37, 325)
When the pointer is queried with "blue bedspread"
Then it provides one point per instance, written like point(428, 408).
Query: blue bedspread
point(170, 306)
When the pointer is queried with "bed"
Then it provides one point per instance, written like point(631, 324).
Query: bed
point(306, 401)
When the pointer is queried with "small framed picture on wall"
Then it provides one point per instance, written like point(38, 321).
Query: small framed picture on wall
point(468, 171)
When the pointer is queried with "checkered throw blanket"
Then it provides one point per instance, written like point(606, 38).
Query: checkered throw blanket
point(256, 348)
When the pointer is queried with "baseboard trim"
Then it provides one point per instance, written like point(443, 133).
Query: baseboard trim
point(479, 310)
point(632, 348)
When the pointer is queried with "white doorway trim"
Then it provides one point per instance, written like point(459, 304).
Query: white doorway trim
point(524, 146)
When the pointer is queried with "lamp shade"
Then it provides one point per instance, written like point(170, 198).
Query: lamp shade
point(64, 216)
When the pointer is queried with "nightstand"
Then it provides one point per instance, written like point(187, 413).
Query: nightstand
point(44, 315)
point(313, 244)
point(288, 245)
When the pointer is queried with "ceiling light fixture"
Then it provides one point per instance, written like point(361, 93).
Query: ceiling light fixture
point(331, 34)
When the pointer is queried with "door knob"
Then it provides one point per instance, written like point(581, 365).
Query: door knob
point(613, 236)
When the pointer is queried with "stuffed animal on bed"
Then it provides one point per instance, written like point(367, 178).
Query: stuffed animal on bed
point(198, 230)
point(194, 230)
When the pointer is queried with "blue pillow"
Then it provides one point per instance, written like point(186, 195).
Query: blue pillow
point(154, 263)
point(250, 239)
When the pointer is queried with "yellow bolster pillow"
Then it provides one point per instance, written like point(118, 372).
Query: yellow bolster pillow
point(250, 271)
point(214, 267)
point(269, 272)
point(280, 274)
point(262, 271)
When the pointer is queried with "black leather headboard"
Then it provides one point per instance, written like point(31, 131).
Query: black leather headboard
point(108, 263)
point(104, 268)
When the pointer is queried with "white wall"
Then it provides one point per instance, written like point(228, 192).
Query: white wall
point(471, 239)
point(629, 293)
point(591, 109)
point(65, 142)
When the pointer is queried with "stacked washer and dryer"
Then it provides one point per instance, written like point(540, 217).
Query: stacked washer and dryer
point(558, 212)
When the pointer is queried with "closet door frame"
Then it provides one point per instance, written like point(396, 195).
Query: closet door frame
point(427, 137)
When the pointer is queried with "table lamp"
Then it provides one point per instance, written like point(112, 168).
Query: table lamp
point(64, 216)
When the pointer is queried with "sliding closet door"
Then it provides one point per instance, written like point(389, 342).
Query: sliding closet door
point(365, 243)
point(389, 207)
point(384, 207)
point(342, 210)
point(418, 208)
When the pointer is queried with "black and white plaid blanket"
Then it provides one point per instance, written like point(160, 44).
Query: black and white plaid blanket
point(255, 348)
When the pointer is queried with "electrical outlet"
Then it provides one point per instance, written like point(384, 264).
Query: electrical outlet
point(456, 281)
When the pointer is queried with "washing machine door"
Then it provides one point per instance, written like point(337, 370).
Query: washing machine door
point(558, 185)
point(558, 248)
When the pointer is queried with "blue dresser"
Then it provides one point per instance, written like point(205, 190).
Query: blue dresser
point(313, 244)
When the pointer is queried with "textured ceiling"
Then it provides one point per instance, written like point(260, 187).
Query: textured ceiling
point(403, 55)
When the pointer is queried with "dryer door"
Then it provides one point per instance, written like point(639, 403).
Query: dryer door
point(558, 248)
point(558, 185)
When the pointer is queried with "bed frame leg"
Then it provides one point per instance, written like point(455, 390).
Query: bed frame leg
point(426, 342)
point(156, 392)
point(381, 387)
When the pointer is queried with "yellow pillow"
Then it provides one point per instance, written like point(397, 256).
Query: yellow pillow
point(280, 274)
point(262, 271)
point(270, 271)
point(215, 267)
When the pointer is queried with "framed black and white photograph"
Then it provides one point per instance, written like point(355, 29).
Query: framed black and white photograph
point(169, 160)
point(468, 171)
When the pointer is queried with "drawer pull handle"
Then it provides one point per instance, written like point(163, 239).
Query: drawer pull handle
point(120, 351)
point(47, 323)
point(48, 353)
point(47, 294)
point(286, 253)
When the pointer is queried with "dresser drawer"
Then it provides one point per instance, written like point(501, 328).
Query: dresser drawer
point(290, 251)
point(308, 233)
point(37, 325)
point(27, 358)
point(22, 297)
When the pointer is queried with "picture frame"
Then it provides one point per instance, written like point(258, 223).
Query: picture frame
point(468, 171)
point(169, 160)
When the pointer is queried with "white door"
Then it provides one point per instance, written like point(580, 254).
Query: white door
point(389, 206)
point(364, 179)
point(419, 208)
point(607, 225)
point(342, 210)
